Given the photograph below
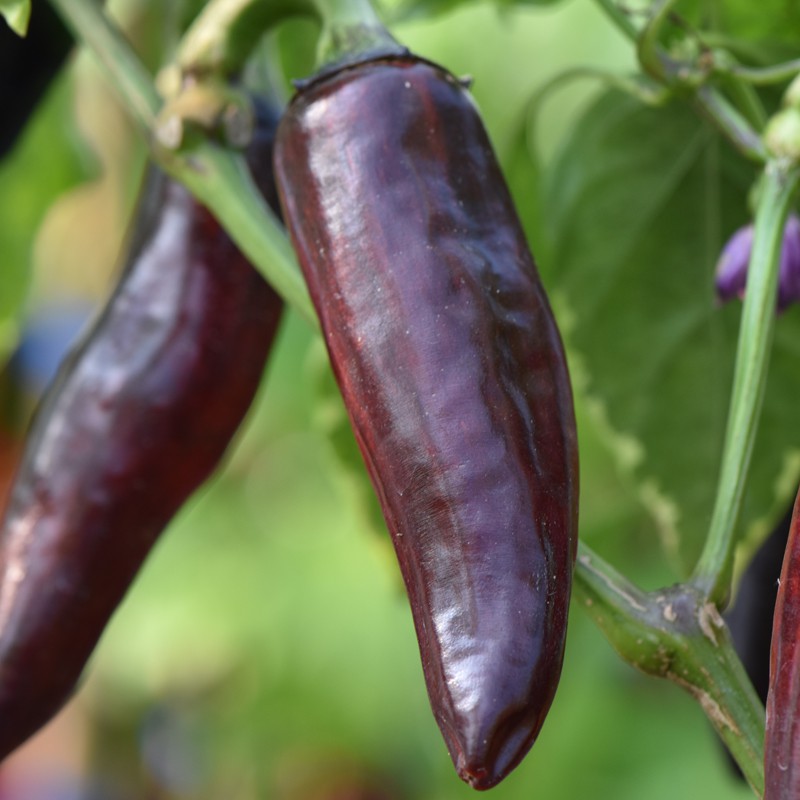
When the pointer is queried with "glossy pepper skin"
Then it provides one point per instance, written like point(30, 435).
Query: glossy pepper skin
point(453, 374)
point(750, 617)
point(782, 742)
point(138, 417)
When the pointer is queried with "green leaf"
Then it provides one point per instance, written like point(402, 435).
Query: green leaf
point(768, 20)
point(760, 31)
point(17, 14)
point(638, 206)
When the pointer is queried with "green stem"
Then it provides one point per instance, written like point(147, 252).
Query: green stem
point(728, 121)
point(712, 575)
point(221, 181)
point(707, 100)
point(351, 32)
point(216, 176)
point(642, 88)
point(224, 34)
point(765, 76)
point(675, 634)
point(747, 99)
point(131, 80)
point(647, 47)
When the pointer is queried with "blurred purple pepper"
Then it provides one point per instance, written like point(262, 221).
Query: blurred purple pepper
point(731, 271)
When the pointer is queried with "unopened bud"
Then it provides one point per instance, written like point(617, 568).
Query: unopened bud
point(789, 275)
point(782, 134)
point(791, 98)
point(731, 271)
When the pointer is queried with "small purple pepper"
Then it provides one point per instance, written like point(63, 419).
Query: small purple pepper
point(731, 270)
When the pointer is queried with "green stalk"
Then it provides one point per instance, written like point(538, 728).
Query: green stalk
point(128, 75)
point(708, 100)
point(676, 634)
point(746, 98)
point(351, 32)
point(221, 181)
point(647, 47)
point(766, 76)
point(743, 93)
point(728, 121)
point(216, 176)
point(642, 88)
point(712, 575)
point(224, 34)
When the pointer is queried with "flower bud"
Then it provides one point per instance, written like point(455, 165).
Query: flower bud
point(782, 134)
point(731, 270)
point(789, 275)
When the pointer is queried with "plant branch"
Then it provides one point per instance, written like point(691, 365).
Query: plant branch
point(351, 31)
point(220, 180)
point(707, 100)
point(640, 87)
point(748, 100)
point(224, 34)
point(765, 76)
point(647, 48)
point(675, 634)
point(132, 81)
point(712, 575)
point(728, 121)
point(215, 175)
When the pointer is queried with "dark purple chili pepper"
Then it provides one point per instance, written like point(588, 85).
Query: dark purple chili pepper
point(137, 419)
point(454, 377)
point(750, 617)
point(782, 743)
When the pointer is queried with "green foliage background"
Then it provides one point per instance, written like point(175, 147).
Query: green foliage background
point(271, 619)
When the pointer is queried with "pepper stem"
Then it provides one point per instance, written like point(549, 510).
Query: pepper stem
point(224, 34)
point(351, 32)
point(712, 575)
point(216, 176)
point(122, 67)
point(707, 99)
point(675, 633)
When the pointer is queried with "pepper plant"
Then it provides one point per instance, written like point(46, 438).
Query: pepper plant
point(627, 220)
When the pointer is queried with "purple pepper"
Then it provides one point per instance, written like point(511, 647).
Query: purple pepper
point(454, 377)
point(139, 416)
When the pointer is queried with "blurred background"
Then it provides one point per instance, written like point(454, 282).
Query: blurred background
point(267, 648)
